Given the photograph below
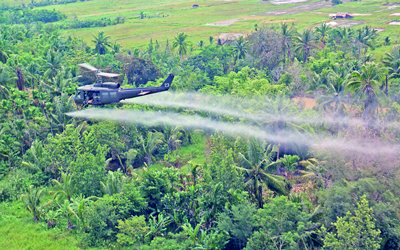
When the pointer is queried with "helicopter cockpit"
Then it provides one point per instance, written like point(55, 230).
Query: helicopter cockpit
point(89, 97)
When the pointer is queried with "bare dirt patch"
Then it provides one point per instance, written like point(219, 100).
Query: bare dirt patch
point(297, 9)
point(231, 21)
point(379, 29)
point(395, 14)
point(223, 23)
point(394, 23)
point(309, 103)
point(344, 23)
point(279, 2)
point(358, 14)
point(332, 24)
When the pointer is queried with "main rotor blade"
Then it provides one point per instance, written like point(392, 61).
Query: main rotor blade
point(108, 74)
point(88, 66)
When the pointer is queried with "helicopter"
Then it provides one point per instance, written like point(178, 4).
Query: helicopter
point(111, 92)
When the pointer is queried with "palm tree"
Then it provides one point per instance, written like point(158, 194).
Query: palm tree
point(181, 44)
point(6, 78)
point(53, 63)
point(62, 105)
point(334, 93)
point(305, 42)
point(172, 136)
point(344, 36)
point(365, 84)
point(323, 30)
point(392, 62)
point(287, 34)
point(289, 161)
point(255, 166)
point(113, 184)
point(33, 73)
point(32, 201)
point(101, 42)
point(149, 145)
point(64, 188)
point(364, 38)
point(314, 171)
point(3, 55)
point(278, 119)
point(239, 49)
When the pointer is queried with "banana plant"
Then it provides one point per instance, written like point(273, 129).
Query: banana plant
point(194, 233)
point(157, 225)
point(32, 201)
point(65, 188)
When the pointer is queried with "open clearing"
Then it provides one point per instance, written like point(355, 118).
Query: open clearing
point(345, 23)
point(165, 18)
point(279, 2)
point(298, 9)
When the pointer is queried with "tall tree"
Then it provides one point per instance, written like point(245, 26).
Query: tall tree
point(101, 42)
point(255, 165)
point(365, 37)
point(365, 85)
point(287, 34)
point(392, 62)
point(355, 231)
point(181, 43)
point(305, 42)
point(322, 31)
point(239, 49)
point(334, 93)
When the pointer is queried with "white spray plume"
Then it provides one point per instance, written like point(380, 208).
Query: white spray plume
point(251, 109)
point(151, 118)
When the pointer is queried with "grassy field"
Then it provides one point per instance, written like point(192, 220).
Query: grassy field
point(218, 18)
point(18, 231)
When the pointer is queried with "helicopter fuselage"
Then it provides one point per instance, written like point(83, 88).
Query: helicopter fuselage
point(109, 92)
point(98, 95)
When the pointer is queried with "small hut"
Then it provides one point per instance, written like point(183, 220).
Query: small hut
point(342, 15)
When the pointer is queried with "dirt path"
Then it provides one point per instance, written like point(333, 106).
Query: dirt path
point(297, 9)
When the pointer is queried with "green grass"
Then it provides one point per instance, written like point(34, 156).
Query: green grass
point(179, 16)
point(18, 231)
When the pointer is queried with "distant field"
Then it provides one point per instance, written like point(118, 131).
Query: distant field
point(220, 17)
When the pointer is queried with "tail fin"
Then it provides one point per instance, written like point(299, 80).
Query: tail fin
point(167, 83)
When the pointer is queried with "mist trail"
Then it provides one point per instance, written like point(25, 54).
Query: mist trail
point(151, 118)
point(251, 109)
point(154, 118)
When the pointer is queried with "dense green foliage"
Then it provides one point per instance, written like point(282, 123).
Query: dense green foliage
point(117, 184)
